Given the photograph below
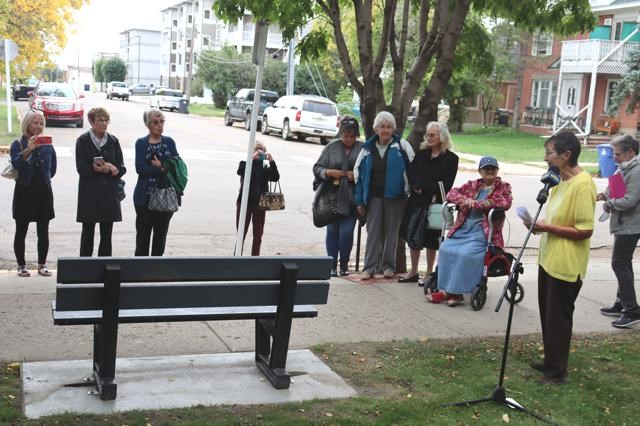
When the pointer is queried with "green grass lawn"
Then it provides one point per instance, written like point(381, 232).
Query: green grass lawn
point(206, 110)
point(407, 382)
point(5, 137)
point(508, 145)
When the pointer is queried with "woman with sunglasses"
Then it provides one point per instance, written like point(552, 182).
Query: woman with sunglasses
point(32, 196)
point(334, 177)
point(151, 151)
point(100, 166)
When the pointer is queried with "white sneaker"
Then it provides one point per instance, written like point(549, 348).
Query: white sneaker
point(365, 275)
point(388, 273)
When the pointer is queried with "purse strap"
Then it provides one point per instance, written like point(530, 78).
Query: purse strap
point(442, 193)
point(276, 185)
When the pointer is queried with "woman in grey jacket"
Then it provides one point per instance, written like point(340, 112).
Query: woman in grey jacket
point(334, 174)
point(625, 227)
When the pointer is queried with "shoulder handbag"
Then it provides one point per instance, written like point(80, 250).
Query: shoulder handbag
point(438, 217)
point(163, 198)
point(325, 205)
point(120, 194)
point(272, 200)
point(10, 172)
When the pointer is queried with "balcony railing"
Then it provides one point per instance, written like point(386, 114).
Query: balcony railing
point(246, 38)
point(578, 54)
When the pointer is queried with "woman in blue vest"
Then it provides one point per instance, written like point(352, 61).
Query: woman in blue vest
point(381, 190)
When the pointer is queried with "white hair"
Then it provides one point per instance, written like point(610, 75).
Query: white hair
point(445, 136)
point(384, 116)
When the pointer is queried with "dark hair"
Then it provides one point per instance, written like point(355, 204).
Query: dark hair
point(626, 143)
point(96, 113)
point(349, 123)
point(563, 142)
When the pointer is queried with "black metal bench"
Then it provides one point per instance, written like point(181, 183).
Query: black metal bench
point(109, 291)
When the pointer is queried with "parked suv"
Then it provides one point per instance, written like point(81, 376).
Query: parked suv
point(117, 89)
point(239, 107)
point(302, 116)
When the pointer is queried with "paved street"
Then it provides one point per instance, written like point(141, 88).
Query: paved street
point(206, 222)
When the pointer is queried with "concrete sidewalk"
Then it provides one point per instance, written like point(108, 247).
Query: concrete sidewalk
point(354, 313)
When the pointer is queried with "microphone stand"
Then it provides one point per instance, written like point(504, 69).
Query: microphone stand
point(510, 293)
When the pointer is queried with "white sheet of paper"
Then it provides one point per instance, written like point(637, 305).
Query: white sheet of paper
point(524, 214)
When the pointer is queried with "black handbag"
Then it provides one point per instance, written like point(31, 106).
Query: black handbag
point(120, 194)
point(325, 205)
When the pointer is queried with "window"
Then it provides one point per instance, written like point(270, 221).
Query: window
point(611, 88)
point(187, 67)
point(207, 14)
point(189, 43)
point(617, 33)
point(179, 59)
point(544, 93)
point(175, 22)
point(541, 44)
point(174, 45)
point(205, 41)
point(190, 19)
point(173, 67)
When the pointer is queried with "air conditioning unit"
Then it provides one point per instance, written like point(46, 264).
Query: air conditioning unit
point(607, 21)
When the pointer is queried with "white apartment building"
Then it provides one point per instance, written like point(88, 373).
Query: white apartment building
point(140, 51)
point(190, 27)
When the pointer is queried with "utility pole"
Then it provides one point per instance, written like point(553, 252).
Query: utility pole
point(291, 67)
point(187, 87)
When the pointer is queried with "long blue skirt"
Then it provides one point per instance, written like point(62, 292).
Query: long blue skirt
point(461, 258)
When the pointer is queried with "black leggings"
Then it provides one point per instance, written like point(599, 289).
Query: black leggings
point(22, 226)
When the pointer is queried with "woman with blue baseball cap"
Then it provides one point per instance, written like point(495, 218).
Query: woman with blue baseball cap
point(462, 253)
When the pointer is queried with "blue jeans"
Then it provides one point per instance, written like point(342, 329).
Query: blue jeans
point(340, 239)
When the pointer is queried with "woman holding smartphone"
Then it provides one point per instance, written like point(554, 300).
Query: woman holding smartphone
point(35, 160)
point(100, 165)
point(151, 151)
point(263, 170)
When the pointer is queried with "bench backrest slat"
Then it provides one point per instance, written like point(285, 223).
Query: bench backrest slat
point(170, 269)
point(88, 297)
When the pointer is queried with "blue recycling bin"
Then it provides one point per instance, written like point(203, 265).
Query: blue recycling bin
point(605, 160)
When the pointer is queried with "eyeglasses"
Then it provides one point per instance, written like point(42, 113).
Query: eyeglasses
point(102, 120)
point(156, 122)
point(432, 134)
point(348, 121)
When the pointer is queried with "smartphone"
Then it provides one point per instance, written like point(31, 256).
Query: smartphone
point(98, 160)
point(262, 156)
point(44, 140)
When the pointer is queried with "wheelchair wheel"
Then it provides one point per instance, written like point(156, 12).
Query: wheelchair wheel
point(518, 296)
point(430, 284)
point(478, 297)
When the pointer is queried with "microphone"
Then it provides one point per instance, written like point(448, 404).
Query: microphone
point(550, 179)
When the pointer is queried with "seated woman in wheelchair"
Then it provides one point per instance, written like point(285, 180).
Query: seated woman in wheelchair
point(461, 257)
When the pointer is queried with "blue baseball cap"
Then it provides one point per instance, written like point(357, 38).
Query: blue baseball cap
point(488, 162)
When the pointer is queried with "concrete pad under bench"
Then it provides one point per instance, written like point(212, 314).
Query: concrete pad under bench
point(175, 382)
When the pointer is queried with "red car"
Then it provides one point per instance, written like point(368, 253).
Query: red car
point(59, 102)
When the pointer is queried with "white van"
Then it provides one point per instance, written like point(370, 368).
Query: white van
point(166, 98)
point(302, 116)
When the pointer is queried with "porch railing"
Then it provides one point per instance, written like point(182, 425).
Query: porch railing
point(595, 50)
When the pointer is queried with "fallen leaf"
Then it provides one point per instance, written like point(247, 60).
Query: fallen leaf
point(376, 413)
point(328, 414)
point(11, 397)
point(607, 411)
point(505, 418)
point(14, 365)
point(301, 410)
point(409, 395)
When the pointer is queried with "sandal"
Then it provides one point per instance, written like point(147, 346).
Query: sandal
point(23, 272)
point(455, 300)
point(43, 271)
point(437, 297)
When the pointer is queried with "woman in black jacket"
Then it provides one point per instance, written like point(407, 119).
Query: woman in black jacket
point(263, 170)
point(100, 165)
point(433, 163)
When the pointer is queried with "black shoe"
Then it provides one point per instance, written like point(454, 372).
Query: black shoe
point(626, 321)
point(344, 272)
point(612, 311)
point(537, 366)
point(334, 272)
point(552, 380)
point(412, 279)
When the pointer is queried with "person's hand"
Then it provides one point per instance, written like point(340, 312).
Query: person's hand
point(540, 226)
point(361, 210)
point(155, 162)
point(417, 190)
point(468, 202)
point(349, 176)
point(110, 168)
point(100, 167)
point(269, 156)
point(334, 173)
point(601, 197)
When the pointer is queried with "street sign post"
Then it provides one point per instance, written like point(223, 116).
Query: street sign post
point(8, 53)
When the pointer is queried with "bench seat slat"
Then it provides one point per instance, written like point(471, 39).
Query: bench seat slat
point(178, 314)
point(88, 297)
point(162, 269)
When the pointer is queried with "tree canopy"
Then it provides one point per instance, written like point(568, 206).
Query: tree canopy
point(113, 69)
point(629, 86)
point(382, 32)
point(38, 27)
